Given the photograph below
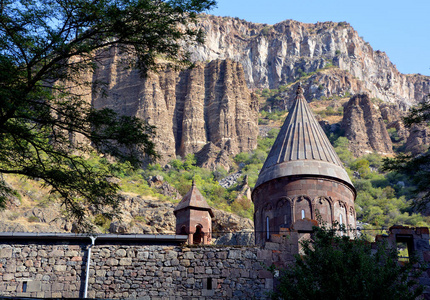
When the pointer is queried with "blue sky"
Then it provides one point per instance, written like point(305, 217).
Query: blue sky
point(400, 28)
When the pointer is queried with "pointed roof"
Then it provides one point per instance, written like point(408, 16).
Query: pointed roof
point(194, 199)
point(302, 148)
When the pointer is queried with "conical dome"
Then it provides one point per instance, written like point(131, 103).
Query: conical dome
point(193, 199)
point(302, 148)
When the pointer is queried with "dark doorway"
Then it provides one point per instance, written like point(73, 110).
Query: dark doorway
point(198, 235)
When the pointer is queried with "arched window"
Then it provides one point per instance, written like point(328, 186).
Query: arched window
point(341, 223)
point(303, 213)
point(267, 229)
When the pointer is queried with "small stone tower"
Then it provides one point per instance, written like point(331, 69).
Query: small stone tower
point(194, 217)
point(302, 178)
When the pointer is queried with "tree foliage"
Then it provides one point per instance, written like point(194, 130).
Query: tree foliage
point(47, 129)
point(337, 267)
point(417, 167)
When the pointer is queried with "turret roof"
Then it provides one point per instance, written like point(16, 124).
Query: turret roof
point(194, 199)
point(302, 148)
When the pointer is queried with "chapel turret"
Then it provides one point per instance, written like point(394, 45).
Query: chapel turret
point(301, 178)
point(194, 217)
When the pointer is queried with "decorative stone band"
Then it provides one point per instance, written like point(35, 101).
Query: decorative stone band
point(304, 168)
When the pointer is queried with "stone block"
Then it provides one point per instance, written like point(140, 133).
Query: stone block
point(174, 262)
point(125, 261)
point(34, 286)
point(76, 258)
point(71, 253)
point(121, 253)
point(171, 254)
point(271, 246)
point(57, 287)
point(249, 255)
point(189, 255)
point(185, 262)
point(112, 262)
point(190, 280)
point(244, 273)
point(29, 263)
point(60, 268)
point(74, 247)
point(234, 254)
point(176, 274)
point(20, 269)
point(265, 274)
point(222, 255)
point(56, 253)
point(8, 276)
point(6, 253)
point(10, 267)
point(104, 253)
point(264, 254)
point(143, 255)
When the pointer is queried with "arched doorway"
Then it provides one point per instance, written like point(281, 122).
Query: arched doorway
point(198, 235)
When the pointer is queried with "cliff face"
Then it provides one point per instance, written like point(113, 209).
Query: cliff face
point(278, 54)
point(365, 128)
point(206, 104)
point(208, 110)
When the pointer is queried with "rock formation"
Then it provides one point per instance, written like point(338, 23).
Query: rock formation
point(209, 103)
point(364, 127)
point(279, 54)
point(418, 140)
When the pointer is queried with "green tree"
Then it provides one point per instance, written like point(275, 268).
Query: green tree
point(417, 167)
point(45, 46)
point(337, 267)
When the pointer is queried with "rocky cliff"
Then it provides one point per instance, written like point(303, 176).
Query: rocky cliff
point(365, 128)
point(279, 54)
point(208, 104)
point(209, 110)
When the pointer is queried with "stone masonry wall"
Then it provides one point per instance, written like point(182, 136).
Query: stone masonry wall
point(56, 269)
point(157, 272)
point(135, 271)
point(42, 270)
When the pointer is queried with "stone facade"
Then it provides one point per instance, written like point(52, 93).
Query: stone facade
point(282, 202)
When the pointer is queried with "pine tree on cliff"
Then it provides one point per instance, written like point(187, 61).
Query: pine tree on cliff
point(45, 48)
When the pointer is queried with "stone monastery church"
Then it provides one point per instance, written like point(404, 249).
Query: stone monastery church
point(302, 181)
